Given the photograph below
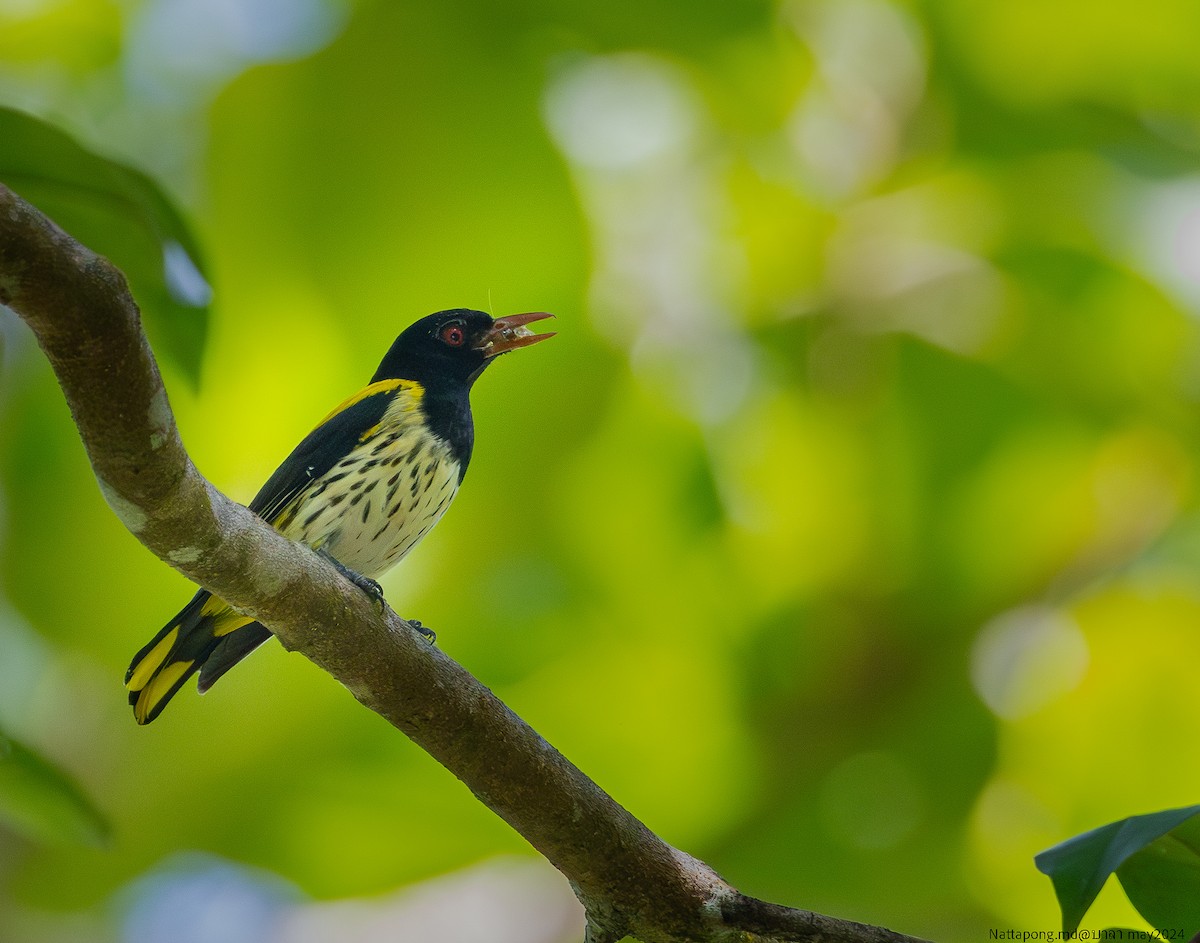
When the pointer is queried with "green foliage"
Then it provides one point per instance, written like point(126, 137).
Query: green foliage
point(122, 214)
point(1162, 879)
point(42, 802)
point(850, 520)
point(1155, 857)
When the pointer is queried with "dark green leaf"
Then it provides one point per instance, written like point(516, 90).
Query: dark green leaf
point(41, 801)
point(122, 214)
point(1163, 880)
point(1079, 866)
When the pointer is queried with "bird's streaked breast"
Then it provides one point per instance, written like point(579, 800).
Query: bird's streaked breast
point(372, 507)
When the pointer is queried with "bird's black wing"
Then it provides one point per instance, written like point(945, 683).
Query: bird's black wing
point(330, 442)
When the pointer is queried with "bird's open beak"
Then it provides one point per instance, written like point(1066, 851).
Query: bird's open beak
point(510, 332)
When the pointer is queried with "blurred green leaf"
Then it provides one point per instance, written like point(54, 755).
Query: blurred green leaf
point(1079, 866)
point(42, 801)
point(1163, 879)
point(122, 214)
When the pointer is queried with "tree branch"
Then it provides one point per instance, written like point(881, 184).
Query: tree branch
point(630, 881)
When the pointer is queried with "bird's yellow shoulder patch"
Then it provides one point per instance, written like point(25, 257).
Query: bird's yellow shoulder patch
point(411, 389)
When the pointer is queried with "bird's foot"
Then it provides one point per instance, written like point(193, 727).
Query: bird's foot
point(373, 590)
point(430, 635)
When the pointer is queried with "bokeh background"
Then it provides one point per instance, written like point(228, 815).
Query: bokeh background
point(847, 533)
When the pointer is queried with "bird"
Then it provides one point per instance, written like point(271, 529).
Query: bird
point(361, 489)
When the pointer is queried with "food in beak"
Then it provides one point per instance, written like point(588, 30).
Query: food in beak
point(511, 333)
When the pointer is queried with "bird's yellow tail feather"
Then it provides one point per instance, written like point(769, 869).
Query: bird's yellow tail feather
point(144, 668)
point(161, 686)
point(177, 652)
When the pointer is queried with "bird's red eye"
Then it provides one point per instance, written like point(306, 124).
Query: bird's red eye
point(453, 335)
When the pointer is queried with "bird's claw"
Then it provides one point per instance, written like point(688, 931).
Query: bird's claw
point(373, 590)
point(430, 635)
point(369, 586)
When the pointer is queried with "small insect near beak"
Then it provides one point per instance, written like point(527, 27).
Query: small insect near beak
point(510, 333)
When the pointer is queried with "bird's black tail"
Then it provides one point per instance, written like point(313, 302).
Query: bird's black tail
point(206, 636)
point(231, 649)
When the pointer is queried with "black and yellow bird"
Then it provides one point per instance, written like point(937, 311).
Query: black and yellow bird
point(363, 487)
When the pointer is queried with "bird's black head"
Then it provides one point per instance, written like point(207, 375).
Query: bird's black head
point(452, 348)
